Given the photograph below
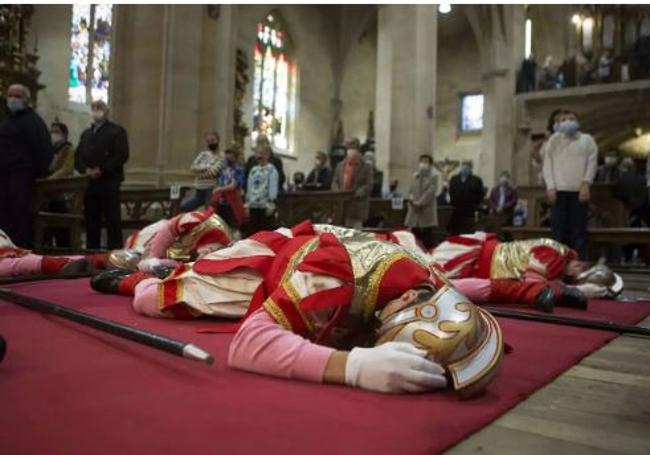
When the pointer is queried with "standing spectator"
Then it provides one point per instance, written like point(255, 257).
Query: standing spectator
point(466, 194)
point(570, 161)
point(263, 185)
point(378, 176)
point(353, 174)
point(205, 167)
point(63, 162)
point(320, 177)
point(275, 161)
point(502, 200)
point(631, 189)
point(227, 196)
point(422, 215)
point(62, 166)
point(101, 154)
point(25, 155)
point(609, 171)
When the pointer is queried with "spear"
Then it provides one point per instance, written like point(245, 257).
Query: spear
point(564, 320)
point(154, 340)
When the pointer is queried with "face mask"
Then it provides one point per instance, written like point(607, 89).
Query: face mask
point(98, 116)
point(556, 127)
point(610, 160)
point(424, 166)
point(569, 127)
point(503, 180)
point(15, 104)
point(352, 153)
point(214, 146)
point(56, 138)
point(465, 171)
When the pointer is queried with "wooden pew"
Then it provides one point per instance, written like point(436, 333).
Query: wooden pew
point(143, 206)
point(318, 206)
point(69, 189)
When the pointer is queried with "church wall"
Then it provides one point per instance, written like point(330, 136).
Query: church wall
point(308, 28)
point(50, 29)
point(458, 72)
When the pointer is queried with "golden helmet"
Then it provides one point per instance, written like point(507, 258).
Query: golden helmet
point(461, 337)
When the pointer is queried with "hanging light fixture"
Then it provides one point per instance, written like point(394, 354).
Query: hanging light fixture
point(444, 8)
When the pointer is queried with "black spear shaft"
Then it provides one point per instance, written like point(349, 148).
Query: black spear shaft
point(564, 320)
point(163, 343)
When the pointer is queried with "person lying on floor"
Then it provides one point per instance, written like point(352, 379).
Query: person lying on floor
point(16, 261)
point(532, 272)
point(167, 243)
point(309, 293)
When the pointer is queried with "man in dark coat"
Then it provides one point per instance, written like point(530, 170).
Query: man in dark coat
point(25, 154)
point(466, 194)
point(102, 151)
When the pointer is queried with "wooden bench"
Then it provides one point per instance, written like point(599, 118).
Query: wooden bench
point(143, 206)
point(69, 190)
point(317, 206)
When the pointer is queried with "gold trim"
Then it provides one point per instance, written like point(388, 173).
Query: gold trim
point(375, 280)
point(295, 298)
point(277, 314)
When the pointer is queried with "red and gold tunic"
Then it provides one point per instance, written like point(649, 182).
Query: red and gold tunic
point(320, 286)
point(178, 238)
point(481, 255)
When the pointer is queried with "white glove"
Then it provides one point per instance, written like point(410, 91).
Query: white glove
point(149, 265)
point(593, 291)
point(393, 367)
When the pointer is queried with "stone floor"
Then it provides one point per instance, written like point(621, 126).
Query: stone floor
point(601, 405)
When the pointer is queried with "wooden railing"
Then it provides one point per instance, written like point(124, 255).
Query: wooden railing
point(318, 206)
point(143, 206)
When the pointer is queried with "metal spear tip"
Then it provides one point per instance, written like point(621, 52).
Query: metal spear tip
point(191, 351)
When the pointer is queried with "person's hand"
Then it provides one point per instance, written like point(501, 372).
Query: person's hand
point(584, 193)
point(499, 209)
point(94, 172)
point(270, 208)
point(149, 264)
point(552, 196)
point(394, 367)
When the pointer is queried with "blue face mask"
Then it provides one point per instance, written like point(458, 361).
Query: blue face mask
point(15, 104)
point(569, 127)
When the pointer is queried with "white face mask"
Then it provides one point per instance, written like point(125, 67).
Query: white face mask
point(424, 166)
point(56, 138)
point(504, 179)
point(98, 116)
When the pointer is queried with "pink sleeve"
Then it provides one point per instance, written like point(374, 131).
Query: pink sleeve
point(262, 346)
point(162, 240)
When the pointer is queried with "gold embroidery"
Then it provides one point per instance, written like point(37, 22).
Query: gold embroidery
point(277, 314)
point(510, 259)
point(295, 298)
point(181, 249)
point(375, 281)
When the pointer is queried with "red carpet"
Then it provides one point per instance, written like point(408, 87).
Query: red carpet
point(71, 390)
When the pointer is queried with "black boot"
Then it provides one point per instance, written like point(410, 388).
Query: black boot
point(108, 281)
point(572, 297)
point(545, 300)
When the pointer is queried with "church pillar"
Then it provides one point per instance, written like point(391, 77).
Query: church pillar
point(406, 81)
point(225, 72)
point(500, 33)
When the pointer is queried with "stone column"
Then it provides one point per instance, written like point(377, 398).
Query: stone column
point(406, 81)
point(500, 34)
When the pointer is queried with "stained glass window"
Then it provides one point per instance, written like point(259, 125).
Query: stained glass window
point(90, 53)
point(273, 83)
point(471, 112)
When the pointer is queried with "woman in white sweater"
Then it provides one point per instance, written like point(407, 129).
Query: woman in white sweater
point(205, 167)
